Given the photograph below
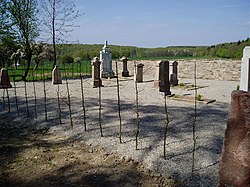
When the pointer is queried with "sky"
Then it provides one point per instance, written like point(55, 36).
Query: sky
point(162, 23)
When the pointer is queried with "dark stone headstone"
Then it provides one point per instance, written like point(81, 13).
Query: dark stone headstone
point(174, 75)
point(235, 158)
point(97, 82)
point(164, 77)
point(139, 72)
point(5, 81)
point(125, 72)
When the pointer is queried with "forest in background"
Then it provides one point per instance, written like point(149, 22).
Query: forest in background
point(232, 50)
point(69, 53)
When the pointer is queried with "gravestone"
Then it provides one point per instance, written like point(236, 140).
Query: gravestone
point(5, 81)
point(157, 74)
point(125, 72)
point(138, 73)
point(174, 74)
point(164, 77)
point(234, 169)
point(106, 59)
point(245, 70)
point(56, 75)
point(97, 82)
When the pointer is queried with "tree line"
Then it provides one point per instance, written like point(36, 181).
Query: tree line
point(232, 50)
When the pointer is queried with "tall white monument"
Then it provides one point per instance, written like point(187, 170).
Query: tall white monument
point(106, 59)
point(245, 70)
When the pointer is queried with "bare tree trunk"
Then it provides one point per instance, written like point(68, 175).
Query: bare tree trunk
point(194, 119)
point(166, 126)
point(54, 31)
point(83, 101)
point(37, 64)
point(137, 110)
point(119, 103)
point(29, 55)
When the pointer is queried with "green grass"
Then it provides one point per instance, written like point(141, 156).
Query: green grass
point(45, 71)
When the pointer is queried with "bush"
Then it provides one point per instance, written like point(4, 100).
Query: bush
point(67, 59)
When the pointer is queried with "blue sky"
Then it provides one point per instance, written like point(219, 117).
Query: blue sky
point(161, 23)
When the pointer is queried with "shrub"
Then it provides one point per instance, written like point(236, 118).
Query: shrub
point(66, 59)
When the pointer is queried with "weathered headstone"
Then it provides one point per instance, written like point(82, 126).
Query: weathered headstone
point(138, 73)
point(245, 70)
point(125, 72)
point(5, 81)
point(234, 167)
point(174, 74)
point(56, 75)
point(157, 75)
point(106, 59)
point(164, 77)
point(97, 82)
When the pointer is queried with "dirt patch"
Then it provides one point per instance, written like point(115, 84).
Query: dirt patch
point(31, 157)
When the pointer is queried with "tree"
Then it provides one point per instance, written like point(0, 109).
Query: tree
point(41, 52)
point(23, 16)
point(5, 23)
point(58, 17)
point(7, 38)
point(67, 59)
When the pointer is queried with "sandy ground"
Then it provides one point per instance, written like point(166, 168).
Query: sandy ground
point(210, 124)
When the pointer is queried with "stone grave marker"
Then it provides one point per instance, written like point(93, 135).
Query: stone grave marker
point(164, 77)
point(56, 75)
point(97, 82)
point(106, 59)
point(245, 70)
point(234, 169)
point(5, 81)
point(174, 74)
point(125, 72)
point(138, 73)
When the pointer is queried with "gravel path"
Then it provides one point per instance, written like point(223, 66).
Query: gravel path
point(210, 125)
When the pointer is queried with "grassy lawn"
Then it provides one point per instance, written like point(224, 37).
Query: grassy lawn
point(45, 71)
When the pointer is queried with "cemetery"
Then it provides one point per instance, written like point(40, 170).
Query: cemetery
point(137, 102)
